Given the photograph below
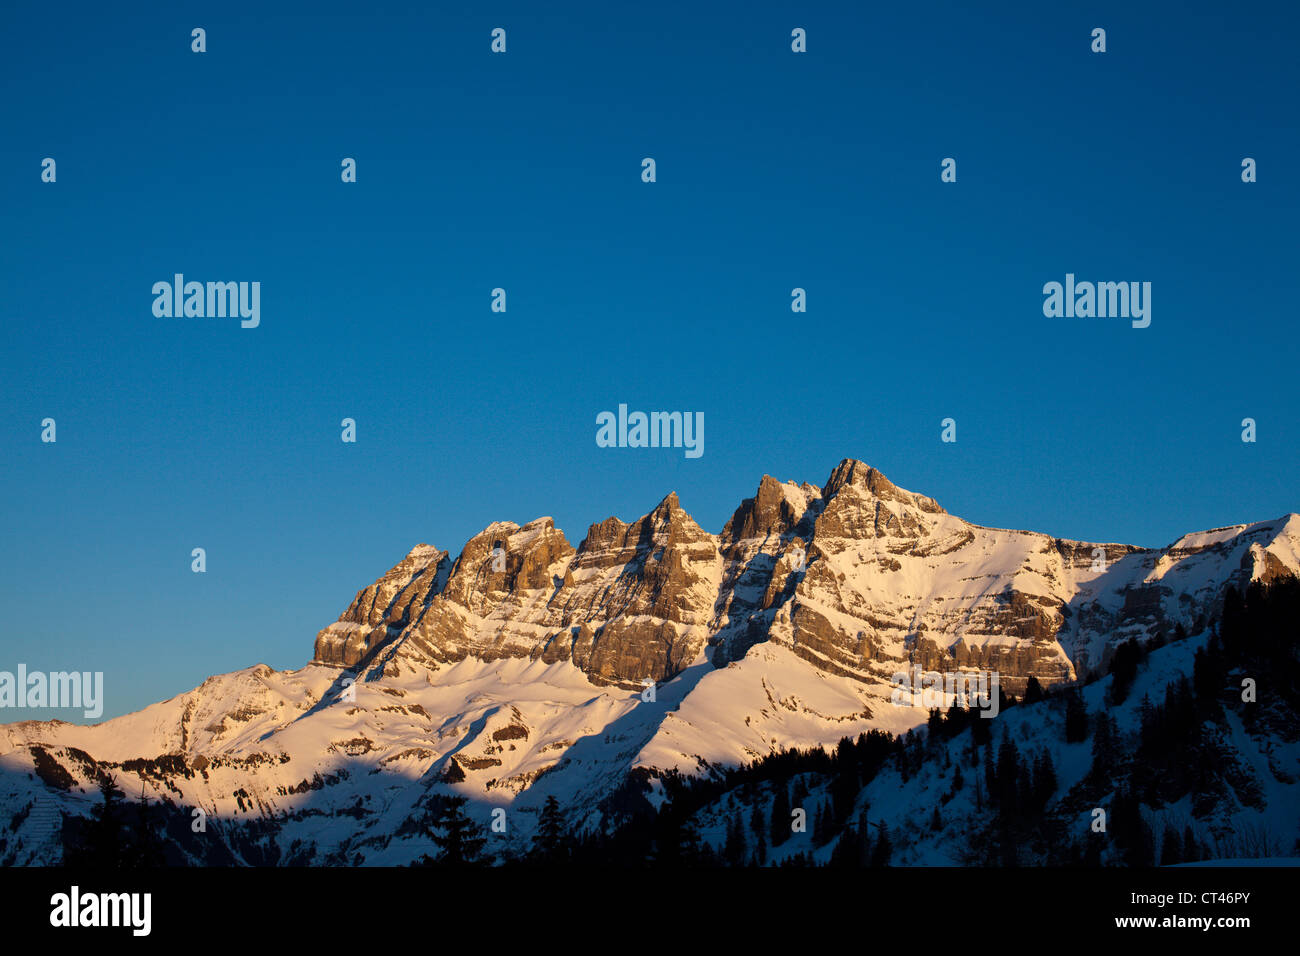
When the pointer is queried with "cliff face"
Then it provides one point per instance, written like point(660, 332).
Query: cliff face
point(383, 609)
point(858, 577)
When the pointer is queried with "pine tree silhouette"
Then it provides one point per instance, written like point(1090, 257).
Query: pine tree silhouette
point(990, 775)
point(1076, 717)
point(1008, 774)
point(1044, 780)
point(1103, 748)
point(733, 851)
point(548, 842)
point(1171, 850)
point(458, 839)
point(1033, 691)
point(883, 848)
point(780, 815)
point(144, 850)
point(935, 724)
point(1123, 669)
point(104, 844)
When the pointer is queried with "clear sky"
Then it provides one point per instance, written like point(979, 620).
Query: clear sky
point(476, 170)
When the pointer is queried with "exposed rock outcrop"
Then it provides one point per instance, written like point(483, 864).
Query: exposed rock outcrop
point(859, 577)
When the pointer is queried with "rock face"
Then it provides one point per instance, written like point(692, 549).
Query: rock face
point(858, 577)
point(632, 603)
point(385, 608)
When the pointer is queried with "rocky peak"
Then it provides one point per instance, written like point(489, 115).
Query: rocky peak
point(666, 524)
point(768, 513)
point(385, 607)
point(860, 503)
point(851, 473)
point(504, 557)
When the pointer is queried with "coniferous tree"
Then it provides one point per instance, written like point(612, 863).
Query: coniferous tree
point(115, 837)
point(1004, 702)
point(819, 825)
point(1123, 669)
point(733, 851)
point(145, 849)
point(1144, 851)
point(671, 838)
point(690, 851)
point(1209, 675)
point(1008, 854)
point(799, 797)
point(1076, 717)
point(844, 791)
point(1008, 774)
point(864, 839)
point(1171, 850)
point(846, 853)
point(981, 727)
point(1131, 831)
point(990, 775)
point(456, 835)
point(955, 720)
point(1026, 797)
point(1044, 780)
point(1147, 719)
point(548, 841)
point(883, 849)
point(1103, 748)
point(780, 815)
point(1033, 691)
point(103, 848)
point(1232, 620)
point(1092, 849)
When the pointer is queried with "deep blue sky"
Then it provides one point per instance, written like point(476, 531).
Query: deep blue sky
point(522, 170)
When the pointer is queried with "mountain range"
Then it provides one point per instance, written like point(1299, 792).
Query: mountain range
point(526, 667)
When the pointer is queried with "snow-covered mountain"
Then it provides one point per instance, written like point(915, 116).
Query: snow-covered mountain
point(937, 809)
point(527, 668)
